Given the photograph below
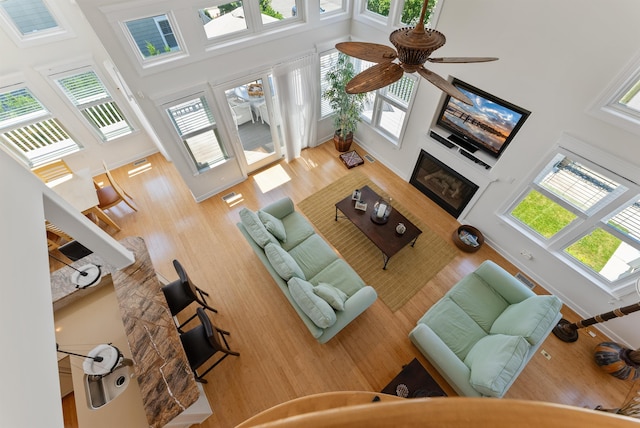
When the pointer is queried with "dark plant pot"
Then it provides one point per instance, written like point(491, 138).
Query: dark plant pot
point(342, 144)
point(616, 360)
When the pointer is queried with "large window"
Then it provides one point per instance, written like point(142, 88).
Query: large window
point(87, 93)
point(587, 215)
point(385, 109)
point(29, 130)
point(196, 126)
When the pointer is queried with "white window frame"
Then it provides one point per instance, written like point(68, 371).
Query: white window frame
point(78, 109)
point(61, 32)
point(606, 106)
point(324, 103)
point(391, 22)
point(197, 93)
point(585, 223)
point(380, 97)
point(155, 60)
point(213, 41)
point(342, 9)
point(33, 122)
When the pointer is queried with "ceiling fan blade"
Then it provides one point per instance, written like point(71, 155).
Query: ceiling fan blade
point(372, 52)
point(375, 77)
point(444, 85)
point(461, 59)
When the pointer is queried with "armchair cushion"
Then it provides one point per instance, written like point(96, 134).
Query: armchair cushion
point(332, 295)
point(282, 262)
point(313, 306)
point(529, 318)
point(479, 300)
point(273, 225)
point(494, 362)
point(453, 326)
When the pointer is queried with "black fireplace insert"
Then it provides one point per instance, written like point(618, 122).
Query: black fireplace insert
point(450, 190)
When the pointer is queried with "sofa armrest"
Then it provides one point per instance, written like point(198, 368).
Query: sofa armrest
point(353, 306)
point(280, 208)
point(454, 370)
point(507, 285)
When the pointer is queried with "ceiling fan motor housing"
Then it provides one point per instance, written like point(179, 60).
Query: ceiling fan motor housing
point(415, 46)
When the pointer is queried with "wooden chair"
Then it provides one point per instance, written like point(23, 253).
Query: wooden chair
point(52, 170)
point(56, 236)
point(112, 194)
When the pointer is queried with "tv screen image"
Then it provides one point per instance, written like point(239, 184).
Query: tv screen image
point(489, 124)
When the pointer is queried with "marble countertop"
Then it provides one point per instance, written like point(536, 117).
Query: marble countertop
point(166, 381)
point(64, 292)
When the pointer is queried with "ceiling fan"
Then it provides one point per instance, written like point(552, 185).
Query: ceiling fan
point(414, 45)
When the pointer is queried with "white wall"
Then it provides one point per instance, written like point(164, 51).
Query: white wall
point(555, 60)
point(29, 363)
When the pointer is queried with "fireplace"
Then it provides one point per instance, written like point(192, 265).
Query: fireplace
point(442, 184)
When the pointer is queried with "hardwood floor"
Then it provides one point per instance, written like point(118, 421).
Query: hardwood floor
point(279, 360)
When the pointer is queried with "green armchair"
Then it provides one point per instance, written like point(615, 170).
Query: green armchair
point(484, 331)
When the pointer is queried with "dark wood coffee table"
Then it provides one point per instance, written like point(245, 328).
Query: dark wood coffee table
point(384, 236)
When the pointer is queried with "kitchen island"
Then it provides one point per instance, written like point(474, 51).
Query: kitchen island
point(127, 308)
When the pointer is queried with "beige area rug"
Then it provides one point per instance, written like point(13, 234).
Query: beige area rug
point(407, 272)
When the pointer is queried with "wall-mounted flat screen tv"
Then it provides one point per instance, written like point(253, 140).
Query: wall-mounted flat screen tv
point(489, 124)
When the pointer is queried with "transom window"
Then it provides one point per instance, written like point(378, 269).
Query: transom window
point(29, 130)
point(153, 36)
point(194, 122)
point(587, 215)
point(411, 11)
point(224, 19)
point(88, 94)
point(29, 17)
point(408, 10)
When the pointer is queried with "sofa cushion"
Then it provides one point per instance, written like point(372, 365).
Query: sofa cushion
point(494, 362)
point(313, 255)
point(530, 318)
point(255, 228)
point(332, 295)
point(478, 299)
point(453, 326)
point(282, 262)
point(313, 306)
point(298, 229)
point(273, 225)
point(342, 276)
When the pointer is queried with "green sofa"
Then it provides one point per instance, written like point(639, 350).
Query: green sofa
point(324, 290)
point(484, 331)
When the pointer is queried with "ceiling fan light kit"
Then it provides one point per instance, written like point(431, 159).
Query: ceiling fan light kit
point(413, 47)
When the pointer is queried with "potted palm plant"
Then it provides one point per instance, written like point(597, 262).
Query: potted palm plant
point(347, 107)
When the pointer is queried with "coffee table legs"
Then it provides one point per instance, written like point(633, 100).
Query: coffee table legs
point(386, 258)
